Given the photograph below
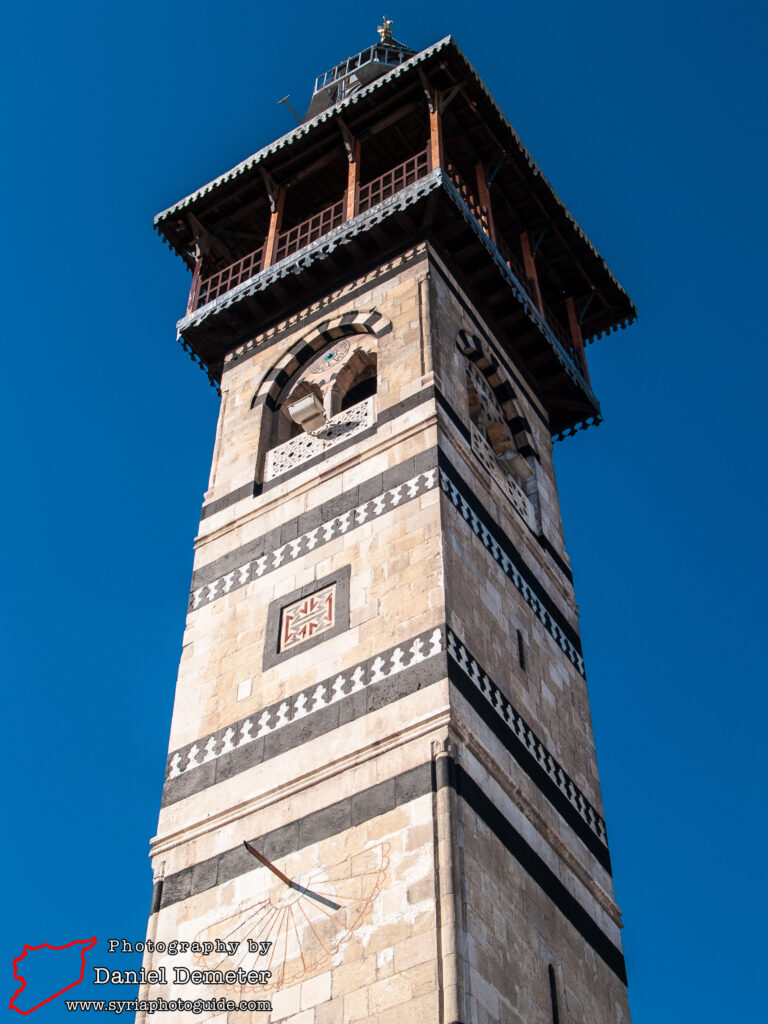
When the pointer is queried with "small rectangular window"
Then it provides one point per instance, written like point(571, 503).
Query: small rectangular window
point(521, 650)
point(553, 995)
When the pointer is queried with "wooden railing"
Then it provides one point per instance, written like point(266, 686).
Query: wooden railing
point(391, 55)
point(309, 230)
point(211, 287)
point(295, 238)
point(479, 212)
point(392, 181)
point(481, 215)
point(515, 266)
point(370, 195)
point(530, 286)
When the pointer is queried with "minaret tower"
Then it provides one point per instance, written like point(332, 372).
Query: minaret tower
point(381, 784)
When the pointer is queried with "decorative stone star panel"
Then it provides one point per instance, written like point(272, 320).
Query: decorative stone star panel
point(307, 618)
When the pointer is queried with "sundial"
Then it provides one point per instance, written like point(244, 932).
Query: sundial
point(307, 917)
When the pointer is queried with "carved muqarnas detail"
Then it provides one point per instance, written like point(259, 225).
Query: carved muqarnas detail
point(308, 617)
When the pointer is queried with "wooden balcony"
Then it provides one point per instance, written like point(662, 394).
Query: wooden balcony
point(479, 212)
point(368, 196)
point(210, 288)
point(309, 230)
point(481, 215)
point(393, 181)
point(292, 240)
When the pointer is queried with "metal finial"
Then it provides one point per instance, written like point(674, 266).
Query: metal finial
point(385, 30)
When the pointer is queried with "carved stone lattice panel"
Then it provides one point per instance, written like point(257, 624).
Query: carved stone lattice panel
point(485, 393)
point(308, 617)
point(306, 446)
point(513, 491)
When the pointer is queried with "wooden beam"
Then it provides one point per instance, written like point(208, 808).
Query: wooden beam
point(484, 196)
point(353, 182)
point(349, 139)
point(564, 403)
point(515, 316)
point(528, 338)
point(556, 231)
point(208, 243)
point(274, 228)
point(273, 189)
point(529, 266)
point(576, 337)
point(429, 92)
point(548, 383)
point(449, 94)
point(472, 249)
point(391, 119)
point(308, 169)
point(546, 356)
point(230, 205)
point(194, 291)
point(248, 236)
point(500, 295)
point(435, 146)
point(435, 156)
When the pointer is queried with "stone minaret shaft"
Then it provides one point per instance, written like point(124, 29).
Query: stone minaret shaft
point(382, 688)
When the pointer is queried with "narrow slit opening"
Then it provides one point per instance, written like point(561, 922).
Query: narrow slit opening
point(521, 650)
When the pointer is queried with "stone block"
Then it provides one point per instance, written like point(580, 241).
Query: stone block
point(353, 974)
point(315, 990)
point(285, 1002)
point(331, 1012)
point(389, 992)
point(416, 949)
point(356, 1005)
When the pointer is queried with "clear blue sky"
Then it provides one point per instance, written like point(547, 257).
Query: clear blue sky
point(649, 120)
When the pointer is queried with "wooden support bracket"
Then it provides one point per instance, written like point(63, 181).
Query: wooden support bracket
point(484, 195)
point(349, 139)
point(429, 92)
point(206, 242)
point(529, 266)
point(540, 239)
point(194, 291)
point(446, 97)
point(576, 336)
point(499, 164)
point(587, 304)
point(273, 190)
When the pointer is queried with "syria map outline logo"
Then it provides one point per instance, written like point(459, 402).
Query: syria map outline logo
point(86, 945)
